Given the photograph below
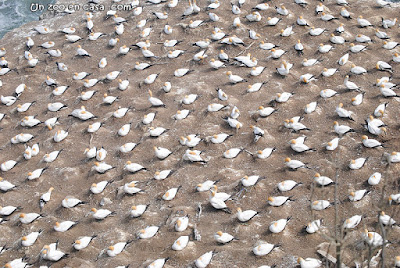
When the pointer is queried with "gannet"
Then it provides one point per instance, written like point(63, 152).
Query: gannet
point(82, 242)
point(363, 38)
point(101, 214)
point(223, 238)
point(181, 243)
point(6, 185)
point(36, 173)
point(138, 210)
point(370, 143)
point(70, 202)
point(358, 195)
point(357, 48)
point(373, 239)
point(27, 218)
point(287, 185)
point(363, 22)
point(313, 226)
point(8, 210)
point(182, 72)
point(102, 167)
point(386, 220)
point(148, 232)
point(30, 239)
point(357, 163)
point(287, 31)
point(279, 225)
point(320, 205)
point(8, 165)
point(181, 114)
point(133, 167)
point(121, 112)
point(309, 262)
point(92, 128)
point(278, 201)
point(374, 179)
point(264, 249)
point(64, 226)
point(324, 48)
point(156, 131)
point(388, 23)
point(117, 248)
point(130, 188)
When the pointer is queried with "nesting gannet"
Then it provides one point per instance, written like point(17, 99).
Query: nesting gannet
point(70, 202)
point(130, 188)
point(370, 143)
point(363, 22)
point(171, 193)
point(357, 163)
point(6, 185)
point(92, 128)
point(181, 224)
point(352, 222)
point(101, 214)
point(64, 226)
point(309, 262)
point(30, 239)
point(148, 232)
point(324, 48)
point(357, 48)
point(17, 263)
point(193, 156)
point(8, 165)
point(216, 202)
point(320, 205)
point(287, 185)
point(322, 180)
point(36, 173)
point(374, 179)
point(156, 131)
point(133, 167)
point(223, 238)
point(300, 147)
point(181, 114)
point(82, 242)
point(181, 243)
point(97, 188)
point(279, 225)
point(27, 218)
point(8, 210)
point(313, 226)
point(102, 167)
point(363, 38)
point(287, 31)
point(264, 249)
point(294, 164)
point(277, 201)
point(373, 239)
point(121, 112)
point(155, 102)
point(358, 195)
point(386, 220)
point(124, 130)
point(138, 210)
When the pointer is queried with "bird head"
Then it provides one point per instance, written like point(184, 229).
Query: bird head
point(93, 210)
point(219, 233)
point(271, 199)
point(22, 215)
point(111, 248)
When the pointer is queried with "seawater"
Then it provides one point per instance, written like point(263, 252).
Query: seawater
point(14, 13)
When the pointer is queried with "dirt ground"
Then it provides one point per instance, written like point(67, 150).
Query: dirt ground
point(71, 174)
